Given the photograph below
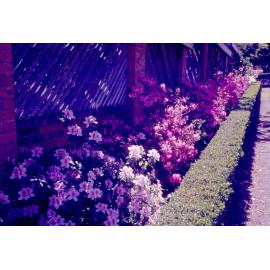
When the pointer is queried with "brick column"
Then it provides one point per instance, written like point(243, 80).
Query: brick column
point(204, 61)
point(8, 137)
point(183, 65)
point(136, 69)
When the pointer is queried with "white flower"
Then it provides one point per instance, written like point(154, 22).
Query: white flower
point(135, 152)
point(89, 120)
point(126, 173)
point(141, 180)
point(153, 154)
point(95, 136)
point(74, 130)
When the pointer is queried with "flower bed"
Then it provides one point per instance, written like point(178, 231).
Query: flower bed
point(201, 197)
point(116, 174)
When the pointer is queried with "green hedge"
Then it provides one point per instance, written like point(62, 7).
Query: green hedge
point(206, 187)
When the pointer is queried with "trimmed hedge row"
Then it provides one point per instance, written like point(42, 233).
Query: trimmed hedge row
point(206, 187)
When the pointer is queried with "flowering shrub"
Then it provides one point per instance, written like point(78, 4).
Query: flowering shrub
point(110, 175)
point(178, 120)
point(83, 185)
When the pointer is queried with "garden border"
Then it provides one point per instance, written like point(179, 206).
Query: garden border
point(206, 187)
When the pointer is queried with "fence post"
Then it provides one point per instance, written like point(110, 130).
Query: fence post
point(136, 69)
point(8, 135)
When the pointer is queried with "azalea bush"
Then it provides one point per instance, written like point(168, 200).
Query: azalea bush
point(114, 173)
point(83, 185)
point(181, 121)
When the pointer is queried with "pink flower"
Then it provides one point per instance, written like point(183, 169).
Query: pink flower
point(89, 120)
point(18, 172)
point(37, 151)
point(95, 136)
point(68, 114)
point(4, 198)
point(101, 207)
point(176, 178)
point(26, 193)
point(74, 130)
point(135, 152)
point(66, 161)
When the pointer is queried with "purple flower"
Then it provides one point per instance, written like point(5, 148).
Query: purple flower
point(101, 207)
point(56, 221)
point(72, 194)
point(37, 151)
point(26, 193)
point(111, 221)
point(18, 172)
point(4, 198)
point(135, 152)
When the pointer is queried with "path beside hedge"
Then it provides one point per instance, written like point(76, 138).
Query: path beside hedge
point(259, 212)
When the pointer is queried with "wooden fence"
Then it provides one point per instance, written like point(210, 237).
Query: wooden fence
point(39, 80)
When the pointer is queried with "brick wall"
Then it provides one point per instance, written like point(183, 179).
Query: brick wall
point(136, 69)
point(8, 137)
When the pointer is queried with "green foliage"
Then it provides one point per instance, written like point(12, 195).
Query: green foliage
point(206, 187)
point(257, 54)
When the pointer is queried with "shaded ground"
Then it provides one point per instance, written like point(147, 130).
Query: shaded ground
point(250, 202)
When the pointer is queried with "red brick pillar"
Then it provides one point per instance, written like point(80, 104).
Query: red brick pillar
point(204, 61)
point(183, 65)
point(8, 137)
point(136, 69)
